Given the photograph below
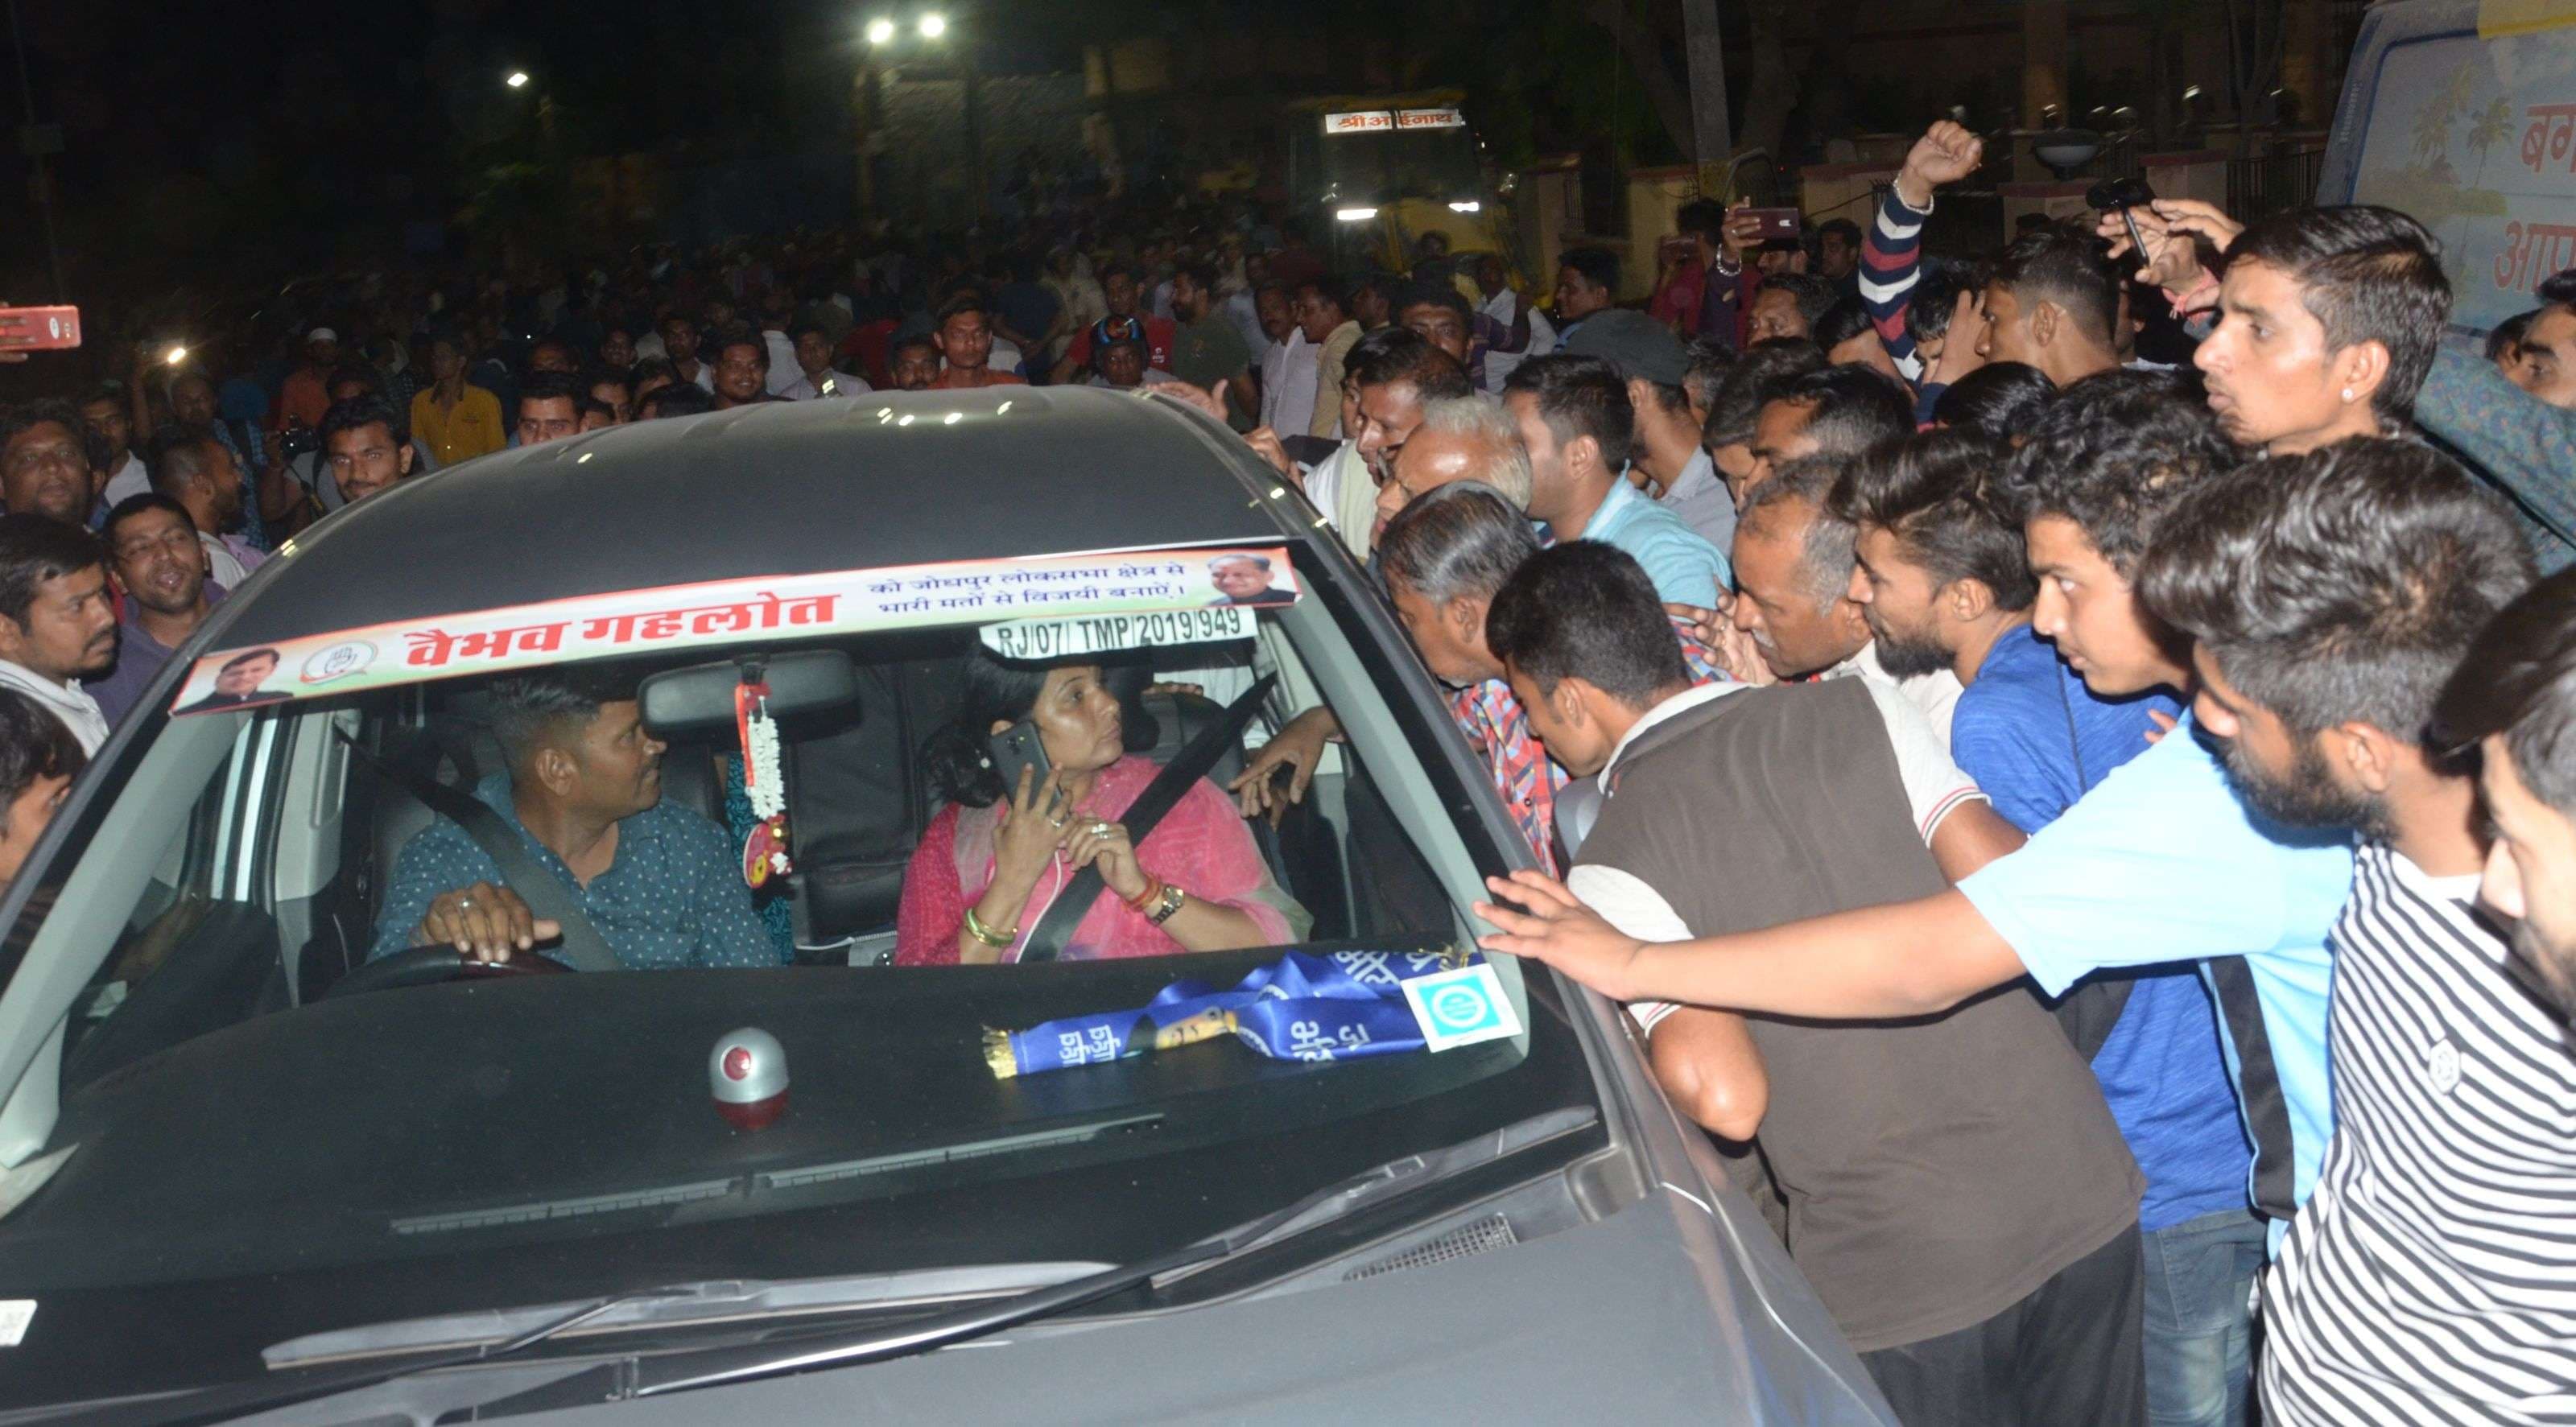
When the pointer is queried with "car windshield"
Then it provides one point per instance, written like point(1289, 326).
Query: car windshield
point(247, 1111)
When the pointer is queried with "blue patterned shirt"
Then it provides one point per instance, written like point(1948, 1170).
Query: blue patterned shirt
point(674, 896)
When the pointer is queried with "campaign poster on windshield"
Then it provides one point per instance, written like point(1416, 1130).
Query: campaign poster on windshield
point(1217, 586)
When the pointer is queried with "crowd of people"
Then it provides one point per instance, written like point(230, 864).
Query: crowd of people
point(2065, 753)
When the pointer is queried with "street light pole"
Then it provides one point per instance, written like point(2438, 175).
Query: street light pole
point(31, 139)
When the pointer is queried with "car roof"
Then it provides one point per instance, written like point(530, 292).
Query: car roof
point(778, 488)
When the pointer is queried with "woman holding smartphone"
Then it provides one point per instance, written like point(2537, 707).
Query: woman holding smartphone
point(1037, 775)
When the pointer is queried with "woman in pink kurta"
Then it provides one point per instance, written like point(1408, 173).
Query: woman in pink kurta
point(995, 859)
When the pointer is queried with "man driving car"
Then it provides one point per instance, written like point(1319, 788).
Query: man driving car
point(584, 794)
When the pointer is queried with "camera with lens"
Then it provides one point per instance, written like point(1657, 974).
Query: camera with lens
point(2119, 193)
point(298, 439)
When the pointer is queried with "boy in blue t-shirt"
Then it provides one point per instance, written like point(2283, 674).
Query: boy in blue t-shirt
point(1946, 581)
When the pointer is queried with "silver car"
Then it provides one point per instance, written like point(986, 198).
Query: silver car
point(261, 1161)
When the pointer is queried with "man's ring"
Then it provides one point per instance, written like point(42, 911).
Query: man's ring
point(464, 904)
point(1055, 822)
point(1100, 829)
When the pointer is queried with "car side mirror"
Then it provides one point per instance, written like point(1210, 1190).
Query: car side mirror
point(677, 703)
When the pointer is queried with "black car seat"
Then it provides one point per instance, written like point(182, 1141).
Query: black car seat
point(1302, 851)
point(857, 797)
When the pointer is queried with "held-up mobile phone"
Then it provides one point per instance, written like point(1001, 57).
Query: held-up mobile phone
point(1776, 222)
point(39, 329)
point(2120, 195)
point(1015, 748)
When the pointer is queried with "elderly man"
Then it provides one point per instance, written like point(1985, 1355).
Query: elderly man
point(583, 793)
point(1456, 438)
point(1245, 579)
point(1793, 580)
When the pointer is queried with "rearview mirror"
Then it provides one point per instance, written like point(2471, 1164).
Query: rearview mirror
point(699, 699)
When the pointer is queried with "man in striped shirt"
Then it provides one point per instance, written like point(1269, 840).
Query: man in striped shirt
point(2514, 699)
point(2431, 1276)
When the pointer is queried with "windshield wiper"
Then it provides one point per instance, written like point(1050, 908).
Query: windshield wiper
point(708, 1367)
point(226, 1401)
point(658, 1374)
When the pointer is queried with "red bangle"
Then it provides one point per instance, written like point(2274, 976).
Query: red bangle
point(1146, 896)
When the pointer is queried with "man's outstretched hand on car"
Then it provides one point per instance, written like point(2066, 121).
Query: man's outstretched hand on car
point(486, 921)
point(1559, 929)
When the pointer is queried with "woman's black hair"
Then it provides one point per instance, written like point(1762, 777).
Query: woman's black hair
point(955, 757)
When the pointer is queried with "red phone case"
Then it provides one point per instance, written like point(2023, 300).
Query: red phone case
point(39, 329)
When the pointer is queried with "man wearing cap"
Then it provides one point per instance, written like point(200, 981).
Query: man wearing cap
point(307, 393)
point(1665, 458)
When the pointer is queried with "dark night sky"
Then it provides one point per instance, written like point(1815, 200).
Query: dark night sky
point(273, 130)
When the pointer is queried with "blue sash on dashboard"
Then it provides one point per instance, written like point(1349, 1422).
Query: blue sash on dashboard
point(1338, 1006)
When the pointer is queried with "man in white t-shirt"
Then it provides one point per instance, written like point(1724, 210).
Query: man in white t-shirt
point(1512, 329)
point(813, 376)
point(57, 625)
point(1289, 373)
point(109, 419)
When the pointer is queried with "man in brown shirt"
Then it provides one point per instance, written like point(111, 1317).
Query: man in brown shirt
point(1954, 1187)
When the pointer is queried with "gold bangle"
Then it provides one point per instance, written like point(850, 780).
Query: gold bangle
point(999, 941)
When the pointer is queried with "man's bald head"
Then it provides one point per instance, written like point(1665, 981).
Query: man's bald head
point(1463, 438)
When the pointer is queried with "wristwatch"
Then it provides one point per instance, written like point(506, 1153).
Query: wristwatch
point(1173, 897)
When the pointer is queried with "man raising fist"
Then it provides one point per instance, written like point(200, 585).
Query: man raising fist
point(1892, 257)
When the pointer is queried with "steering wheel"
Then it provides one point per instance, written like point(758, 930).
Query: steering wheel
point(430, 965)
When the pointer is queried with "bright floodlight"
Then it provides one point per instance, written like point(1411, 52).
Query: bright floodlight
point(933, 25)
point(175, 355)
point(1354, 215)
point(1469, 206)
point(880, 31)
point(518, 79)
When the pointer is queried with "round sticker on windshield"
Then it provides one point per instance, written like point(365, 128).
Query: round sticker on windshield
point(338, 661)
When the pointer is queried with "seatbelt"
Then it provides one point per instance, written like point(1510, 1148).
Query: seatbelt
point(1055, 926)
point(583, 949)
